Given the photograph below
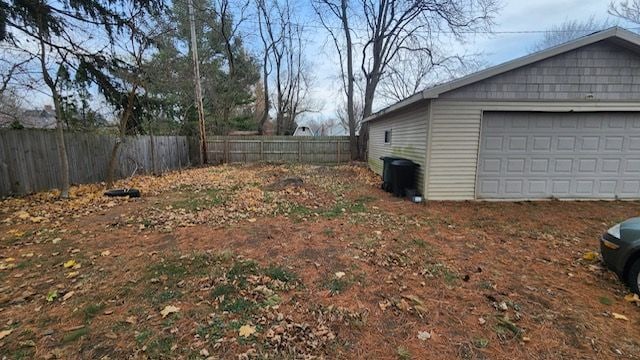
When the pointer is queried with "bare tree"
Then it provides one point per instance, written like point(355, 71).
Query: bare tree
point(395, 27)
point(628, 10)
point(343, 116)
point(134, 81)
point(339, 9)
point(322, 127)
point(264, 28)
point(283, 52)
point(409, 73)
point(569, 30)
point(10, 105)
point(53, 82)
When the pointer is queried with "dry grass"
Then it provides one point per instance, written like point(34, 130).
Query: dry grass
point(334, 269)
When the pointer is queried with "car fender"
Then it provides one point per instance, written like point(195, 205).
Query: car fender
point(631, 255)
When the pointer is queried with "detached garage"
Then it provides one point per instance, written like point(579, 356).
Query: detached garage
point(562, 123)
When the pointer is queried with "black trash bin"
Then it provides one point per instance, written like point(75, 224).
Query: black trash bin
point(386, 171)
point(403, 176)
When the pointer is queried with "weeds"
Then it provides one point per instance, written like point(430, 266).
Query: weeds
point(92, 310)
point(403, 353)
point(75, 335)
point(280, 273)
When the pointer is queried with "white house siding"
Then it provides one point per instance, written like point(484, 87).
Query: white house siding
point(452, 153)
point(408, 140)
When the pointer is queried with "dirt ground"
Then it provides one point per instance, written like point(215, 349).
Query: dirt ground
point(210, 264)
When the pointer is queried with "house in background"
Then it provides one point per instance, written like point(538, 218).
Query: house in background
point(303, 131)
point(560, 123)
point(44, 118)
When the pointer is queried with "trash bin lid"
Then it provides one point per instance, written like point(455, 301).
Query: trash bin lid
point(403, 162)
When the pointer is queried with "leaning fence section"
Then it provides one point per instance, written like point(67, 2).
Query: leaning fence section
point(29, 158)
point(275, 149)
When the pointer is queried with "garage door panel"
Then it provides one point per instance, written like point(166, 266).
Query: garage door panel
point(630, 188)
point(613, 143)
point(526, 155)
point(633, 166)
point(561, 187)
point(539, 166)
point(542, 143)
point(590, 143)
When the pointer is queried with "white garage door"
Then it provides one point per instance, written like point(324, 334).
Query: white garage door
point(536, 155)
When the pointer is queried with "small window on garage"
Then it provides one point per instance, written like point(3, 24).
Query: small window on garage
point(387, 137)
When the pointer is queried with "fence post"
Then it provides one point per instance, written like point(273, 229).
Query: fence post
point(261, 150)
point(226, 150)
point(299, 150)
point(338, 150)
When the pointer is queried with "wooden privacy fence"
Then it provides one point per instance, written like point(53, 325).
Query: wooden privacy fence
point(29, 158)
point(303, 149)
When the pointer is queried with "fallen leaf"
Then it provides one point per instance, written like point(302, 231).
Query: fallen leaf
point(339, 274)
point(252, 220)
point(414, 298)
point(105, 253)
point(16, 233)
point(69, 264)
point(590, 256)
point(73, 274)
point(632, 298)
point(68, 295)
point(247, 330)
point(619, 317)
point(169, 309)
point(56, 240)
point(5, 333)
point(23, 215)
point(424, 335)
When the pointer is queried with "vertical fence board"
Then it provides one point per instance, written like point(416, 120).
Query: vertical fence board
point(249, 149)
point(29, 158)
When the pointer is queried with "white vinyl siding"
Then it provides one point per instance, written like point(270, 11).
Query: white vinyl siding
point(455, 135)
point(408, 139)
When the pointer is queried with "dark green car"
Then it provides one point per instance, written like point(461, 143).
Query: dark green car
point(620, 249)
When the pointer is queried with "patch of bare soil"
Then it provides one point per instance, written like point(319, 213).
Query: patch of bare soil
point(214, 263)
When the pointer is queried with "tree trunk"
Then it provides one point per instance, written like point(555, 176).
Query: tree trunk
point(124, 119)
point(57, 103)
point(62, 148)
point(369, 93)
point(111, 168)
point(265, 112)
point(353, 141)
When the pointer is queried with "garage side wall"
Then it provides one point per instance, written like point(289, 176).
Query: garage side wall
point(408, 139)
